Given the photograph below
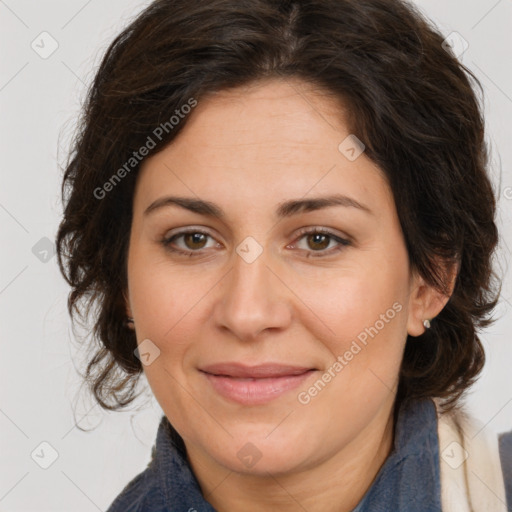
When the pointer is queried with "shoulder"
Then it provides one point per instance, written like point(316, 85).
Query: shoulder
point(505, 441)
point(471, 454)
point(167, 483)
point(140, 494)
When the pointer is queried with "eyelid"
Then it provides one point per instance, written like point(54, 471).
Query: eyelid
point(184, 230)
point(178, 232)
point(341, 239)
point(323, 230)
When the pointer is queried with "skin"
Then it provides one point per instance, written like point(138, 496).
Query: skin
point(248, 150)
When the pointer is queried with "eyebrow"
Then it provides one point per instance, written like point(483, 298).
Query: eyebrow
point(285, 209)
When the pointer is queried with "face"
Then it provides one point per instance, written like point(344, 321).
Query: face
point(269, 281)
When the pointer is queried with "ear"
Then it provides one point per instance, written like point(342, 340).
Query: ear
point(128, 309)
point(426, 301)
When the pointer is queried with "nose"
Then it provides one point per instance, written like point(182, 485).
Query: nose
point(253, 299)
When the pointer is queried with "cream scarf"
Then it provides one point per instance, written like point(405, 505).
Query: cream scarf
point(471, 476)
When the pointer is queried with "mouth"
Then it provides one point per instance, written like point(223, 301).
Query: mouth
point(255, 385)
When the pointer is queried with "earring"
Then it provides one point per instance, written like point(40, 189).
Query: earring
point(426, 324)
point(129, 321)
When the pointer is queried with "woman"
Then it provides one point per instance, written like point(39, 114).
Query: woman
point(281, 213)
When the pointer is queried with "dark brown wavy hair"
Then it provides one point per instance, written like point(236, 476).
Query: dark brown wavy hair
point(411, 102)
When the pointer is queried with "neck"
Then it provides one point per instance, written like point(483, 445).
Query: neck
point(336, 484)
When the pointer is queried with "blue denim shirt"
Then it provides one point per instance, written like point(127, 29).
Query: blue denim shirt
point(409, 479)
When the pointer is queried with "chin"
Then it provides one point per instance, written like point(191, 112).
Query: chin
point(261, 454)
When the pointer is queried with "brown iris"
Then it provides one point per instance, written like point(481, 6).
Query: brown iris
point(195, 240)
point(320, 240)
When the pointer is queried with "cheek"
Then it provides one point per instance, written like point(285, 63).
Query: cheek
point(162, 303)
point(162, 295)
point(344, 303)
point(165, 303)
point(365, 339)
point(360, 315)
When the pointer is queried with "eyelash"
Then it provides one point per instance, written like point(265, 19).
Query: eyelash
point(343, 242)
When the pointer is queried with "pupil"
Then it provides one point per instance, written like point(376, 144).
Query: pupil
point(321, 239)
point(196, 240)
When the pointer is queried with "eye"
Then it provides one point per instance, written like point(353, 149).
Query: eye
point(316, 242)
point(320, 241)
point(188, 242)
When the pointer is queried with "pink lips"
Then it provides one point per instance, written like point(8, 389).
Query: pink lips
point(254, 385)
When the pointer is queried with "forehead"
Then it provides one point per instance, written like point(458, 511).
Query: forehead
point(266, 142)
point(277, 113)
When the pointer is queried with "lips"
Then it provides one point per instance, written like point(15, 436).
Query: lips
point(254, 385)
point(263, 371)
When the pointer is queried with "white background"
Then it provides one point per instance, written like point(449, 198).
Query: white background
point(39, 391)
